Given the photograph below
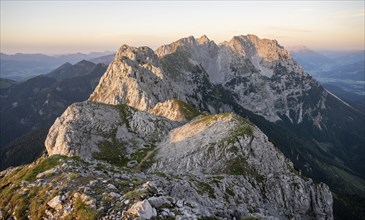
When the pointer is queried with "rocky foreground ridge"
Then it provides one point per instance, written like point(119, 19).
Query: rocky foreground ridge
point(137, 149)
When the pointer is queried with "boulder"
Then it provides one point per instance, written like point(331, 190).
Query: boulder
point(55, 203)
point(142, 210)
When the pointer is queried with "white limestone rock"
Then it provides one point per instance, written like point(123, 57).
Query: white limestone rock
point(84, 126)
point(142, 210)
point(55, 203)
point(80, 128)
point(135, 77)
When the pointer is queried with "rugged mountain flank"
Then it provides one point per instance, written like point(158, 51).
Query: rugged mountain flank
point(218, 166)
point(321, 134)
point(135, 77)
point(143, 147)
point(257, 78)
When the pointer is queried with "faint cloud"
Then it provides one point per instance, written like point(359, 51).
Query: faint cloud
point(290, 29)
point(352, 14)
point(276, 36)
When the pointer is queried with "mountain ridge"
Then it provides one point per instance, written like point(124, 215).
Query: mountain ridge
point(255, 78)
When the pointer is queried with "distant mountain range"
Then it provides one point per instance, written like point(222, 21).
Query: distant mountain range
point(32, 106)
point(317, 61)
point(21, 66)
point(309, 59)
point(107, 59)
point(344, 70)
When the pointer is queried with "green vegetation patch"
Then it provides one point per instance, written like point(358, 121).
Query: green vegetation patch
point(211, 119)
point(13, 196)
point(149, 159)
point(203, 188)
point(125, 113)
point(230, 192)
point(112, 151)
point(187, 110)
point(250, 218)
point(135, 194)
point(82, 211)
point(29, 173)
point(43, 165)
point(177, 61)
point(239, 166)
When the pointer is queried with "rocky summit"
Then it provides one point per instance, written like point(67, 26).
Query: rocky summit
point(154, 141)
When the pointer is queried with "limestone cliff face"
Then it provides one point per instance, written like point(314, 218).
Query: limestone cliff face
point(258, 73)
point(136, 78)
point(87, 129)
point(82, 124)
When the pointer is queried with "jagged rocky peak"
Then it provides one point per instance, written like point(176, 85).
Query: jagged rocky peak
point(140, 54)
point(251, 45)
point(191, 44)
point(136, 78)
point(203, 39)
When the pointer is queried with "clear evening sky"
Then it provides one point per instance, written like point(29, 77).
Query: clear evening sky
point(66, 26)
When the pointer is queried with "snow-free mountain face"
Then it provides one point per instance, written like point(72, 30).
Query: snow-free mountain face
point(257, 78)
point(245, 73)
point(135, 77)
point(260, 74)
point(242, 65)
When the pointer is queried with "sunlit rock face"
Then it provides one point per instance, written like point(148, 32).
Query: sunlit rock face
point(135, 77)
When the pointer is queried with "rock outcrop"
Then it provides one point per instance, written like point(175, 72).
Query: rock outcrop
point(90, 130)
point(135, 78)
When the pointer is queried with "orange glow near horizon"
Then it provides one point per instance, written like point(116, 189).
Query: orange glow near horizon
point(66, 27)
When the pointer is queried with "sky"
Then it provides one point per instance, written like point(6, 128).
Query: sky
point(55, 27)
